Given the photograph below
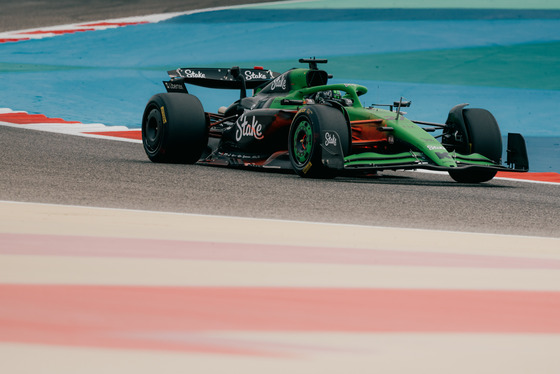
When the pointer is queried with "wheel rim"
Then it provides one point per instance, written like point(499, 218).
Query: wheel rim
point(152, 131)
point(302, 142)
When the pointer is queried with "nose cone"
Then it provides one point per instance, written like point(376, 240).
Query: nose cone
point(413, 134)
point(439, 155)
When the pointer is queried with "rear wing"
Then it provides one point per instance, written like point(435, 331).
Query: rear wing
point(224, 78)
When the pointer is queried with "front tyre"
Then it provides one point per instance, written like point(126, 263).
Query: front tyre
point(484, 137)
point(304, 139)
point(174, 128)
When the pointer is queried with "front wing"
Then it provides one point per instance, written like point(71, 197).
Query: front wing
point(333, 157)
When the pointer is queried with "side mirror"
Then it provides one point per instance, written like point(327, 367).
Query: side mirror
point(403, 104)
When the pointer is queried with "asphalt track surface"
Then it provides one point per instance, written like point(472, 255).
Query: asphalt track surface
point(63, 169)
point(43, 13)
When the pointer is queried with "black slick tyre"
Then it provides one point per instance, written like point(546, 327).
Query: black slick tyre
point(174, 128)
point(484, 138)
point(304, 139)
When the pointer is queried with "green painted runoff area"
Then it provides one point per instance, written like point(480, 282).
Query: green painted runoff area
point(411, 4)
point(503, 66)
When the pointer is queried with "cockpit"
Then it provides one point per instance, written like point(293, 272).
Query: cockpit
point(323, 97)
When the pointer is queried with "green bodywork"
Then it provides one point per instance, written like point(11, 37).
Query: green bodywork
point(425, 149)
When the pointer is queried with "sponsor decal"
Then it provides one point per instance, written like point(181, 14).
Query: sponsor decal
point(305, 110)
point(306, 168)
point(443, 156)
point(330, 139)
point(193, 74)
point(174, 87)
point(434, 147)
point(245, 128)
point(240, 156)
point(164, 119)
point(279, 83)
point(251, 75)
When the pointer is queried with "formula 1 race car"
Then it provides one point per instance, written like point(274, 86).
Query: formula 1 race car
point(296, 120)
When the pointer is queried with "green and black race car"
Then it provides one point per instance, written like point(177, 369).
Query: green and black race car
point(296, 120)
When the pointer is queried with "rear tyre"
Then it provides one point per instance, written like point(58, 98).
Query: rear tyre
point(305, 137)
point(174, 128)
point(484, 137)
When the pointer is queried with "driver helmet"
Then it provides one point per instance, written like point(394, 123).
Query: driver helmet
point(323, 96)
